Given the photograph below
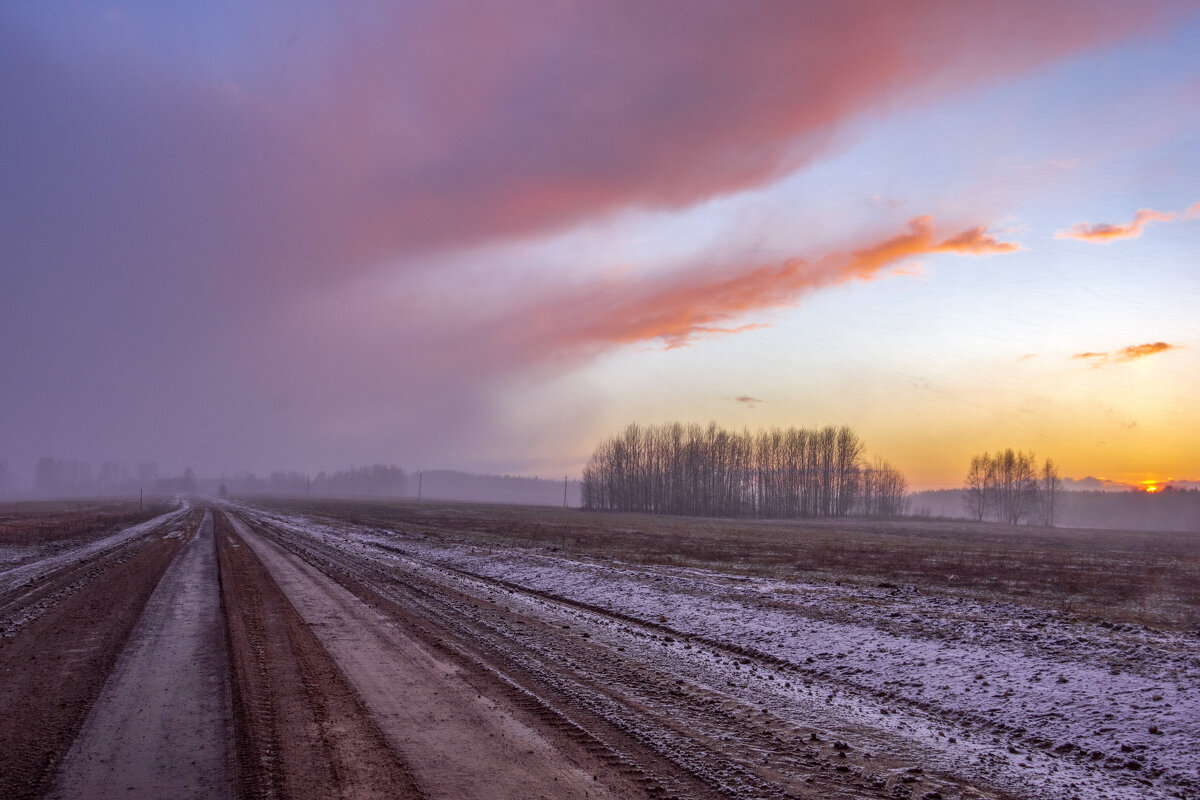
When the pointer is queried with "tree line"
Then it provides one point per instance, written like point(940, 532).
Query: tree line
point(1008, 486)
point(713, 472)
point(376, 480)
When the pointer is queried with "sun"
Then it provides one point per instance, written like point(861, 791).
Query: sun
point(1152, 489)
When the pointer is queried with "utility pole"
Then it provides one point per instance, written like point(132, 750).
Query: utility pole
point(564, 491)
point(420, 480)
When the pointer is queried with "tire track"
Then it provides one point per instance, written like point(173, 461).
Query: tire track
point(679, 730)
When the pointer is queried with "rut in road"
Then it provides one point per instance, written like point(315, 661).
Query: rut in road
point(301, 730)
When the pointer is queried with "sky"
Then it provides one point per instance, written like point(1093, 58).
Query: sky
point(487, 235)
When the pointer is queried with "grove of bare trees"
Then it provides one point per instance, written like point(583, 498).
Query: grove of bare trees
point(709, 471)
point(1008, 486)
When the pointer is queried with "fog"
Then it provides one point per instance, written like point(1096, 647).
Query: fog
point(73, 479)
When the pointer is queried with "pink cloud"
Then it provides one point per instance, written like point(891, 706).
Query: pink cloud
point(1103, 233)
point(531, 122)
point(408, 128)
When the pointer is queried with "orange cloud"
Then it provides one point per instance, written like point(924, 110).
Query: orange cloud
point(1142, 350)
point(683, 307)
point(1104, 232)
point(748, 400)
point(919, 241)
point(1130, 353)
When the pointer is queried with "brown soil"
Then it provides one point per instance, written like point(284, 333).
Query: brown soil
point(301, 731)
point(55, 666)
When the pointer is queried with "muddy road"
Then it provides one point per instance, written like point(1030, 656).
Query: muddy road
point(243, 652)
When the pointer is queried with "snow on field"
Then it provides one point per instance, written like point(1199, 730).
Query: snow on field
point(32, 562)
point(1035, 701)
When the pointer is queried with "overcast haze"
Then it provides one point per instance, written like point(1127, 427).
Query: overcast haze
point(484, 236)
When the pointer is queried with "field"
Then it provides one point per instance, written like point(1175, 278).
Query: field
point(355, 649)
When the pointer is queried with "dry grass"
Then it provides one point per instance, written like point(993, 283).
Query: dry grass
point(1147, 577)
point(42, 522)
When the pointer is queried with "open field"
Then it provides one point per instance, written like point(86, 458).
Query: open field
point(1131, 576)
point(403, 650)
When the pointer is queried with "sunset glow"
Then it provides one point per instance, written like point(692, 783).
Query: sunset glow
point(486, 236)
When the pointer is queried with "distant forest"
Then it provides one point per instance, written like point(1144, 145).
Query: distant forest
point(1169, 509)
point(713, 472)
point(385, 480)
point(377, 480)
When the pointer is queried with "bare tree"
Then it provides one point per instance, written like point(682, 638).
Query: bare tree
point(975, 492)
point(1048, 492)
point(1006, 486)
point(711, 471)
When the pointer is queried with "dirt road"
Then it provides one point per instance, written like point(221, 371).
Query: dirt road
point(458, 743)
point(282, 655)
point(163, 724)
